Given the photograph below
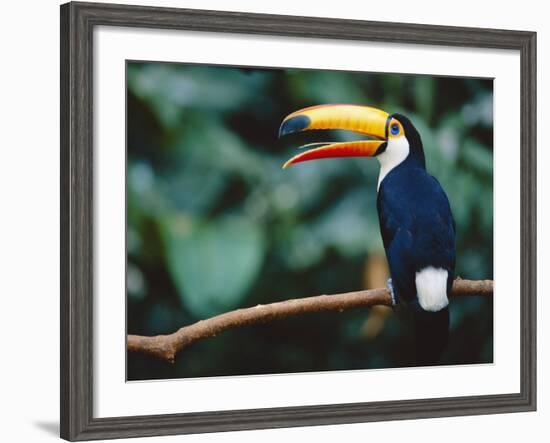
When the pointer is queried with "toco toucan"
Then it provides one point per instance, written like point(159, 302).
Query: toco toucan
point(416, 223)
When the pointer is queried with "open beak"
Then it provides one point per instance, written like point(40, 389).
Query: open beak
point(364, 120)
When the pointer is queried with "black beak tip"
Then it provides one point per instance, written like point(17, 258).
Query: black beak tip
point(294, 124)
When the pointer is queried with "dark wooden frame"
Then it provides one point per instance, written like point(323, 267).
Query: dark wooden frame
point(77, 24)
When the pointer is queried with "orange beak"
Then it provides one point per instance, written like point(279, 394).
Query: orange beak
point(364, 120)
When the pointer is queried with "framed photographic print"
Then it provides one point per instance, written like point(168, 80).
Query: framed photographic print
point(394, 250)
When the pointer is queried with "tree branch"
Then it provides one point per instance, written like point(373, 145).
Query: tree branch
point(165, 347)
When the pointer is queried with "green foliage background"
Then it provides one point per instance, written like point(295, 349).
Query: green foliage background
point(214, 223)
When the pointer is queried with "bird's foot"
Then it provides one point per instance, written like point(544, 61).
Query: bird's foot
point(389, 284)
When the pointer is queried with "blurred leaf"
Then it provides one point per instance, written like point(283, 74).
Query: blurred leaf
point(480, 111)
point(135, 282)
point(208, 143)
point(214, 263)
point(170, 89)
point(324, 87)
point(424, 89)
point(477, 156)
point(461, 198)
point(351, 224)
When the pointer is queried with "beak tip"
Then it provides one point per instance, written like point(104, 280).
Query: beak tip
point(289, 162)
point(294, 124)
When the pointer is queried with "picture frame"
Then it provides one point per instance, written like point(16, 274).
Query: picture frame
point(78, 21)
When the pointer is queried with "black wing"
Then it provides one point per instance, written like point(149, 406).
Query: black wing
point(417, 227)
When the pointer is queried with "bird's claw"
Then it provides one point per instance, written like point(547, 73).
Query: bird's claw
point(389, 284)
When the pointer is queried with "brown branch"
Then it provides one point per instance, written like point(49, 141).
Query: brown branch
point(165, 347)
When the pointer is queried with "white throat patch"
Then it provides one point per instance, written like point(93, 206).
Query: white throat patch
point(396, 151)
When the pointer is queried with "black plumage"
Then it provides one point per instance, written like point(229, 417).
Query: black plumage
point(418, 232)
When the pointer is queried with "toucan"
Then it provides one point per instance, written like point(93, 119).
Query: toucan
point(416, 222)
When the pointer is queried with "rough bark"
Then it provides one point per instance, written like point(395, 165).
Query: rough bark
point(165, 347)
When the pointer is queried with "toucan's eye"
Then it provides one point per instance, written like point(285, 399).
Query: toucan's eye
point(394, 129)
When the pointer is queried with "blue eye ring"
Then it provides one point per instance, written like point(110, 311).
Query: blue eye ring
point(394, 129)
